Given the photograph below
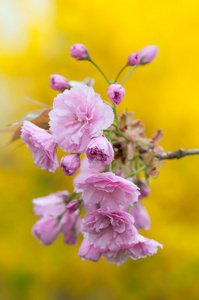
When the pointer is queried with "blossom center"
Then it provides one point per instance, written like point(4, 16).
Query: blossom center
point(116, 95)
point(97, 154)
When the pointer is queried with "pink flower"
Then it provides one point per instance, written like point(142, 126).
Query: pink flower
point(116, 93)
point(148, 54)
point(78, 115)
point(42, 146)
point(58, 82)
point(108, 190)
point(46, 230)
point(141, 248)
point(141, 216)
point(144, 247)
point(133, 59)
point(51, 205)
point(71, 226)
point(79, 52)
point(70, 164)
point(99, 152)
point(89, 251)
point(55, 218)
point(109, 229)
point(86, 171)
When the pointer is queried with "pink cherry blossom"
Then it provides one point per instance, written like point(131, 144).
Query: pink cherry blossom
point(77, 116)
point(70, 164)
point(99, 152)
point(46, 230)
point(116, 93)
point(51, 205)
point(58, 82)
point(109, 229)
point(86, 171)
point(41, 144)
point(141, 248)
point(71, 226)
point(107, 190)
point(89, 251)
point(79, 52)
point(144, 247)
point(141, 216)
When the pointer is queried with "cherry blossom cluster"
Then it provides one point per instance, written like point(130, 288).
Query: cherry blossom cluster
point(115, 161)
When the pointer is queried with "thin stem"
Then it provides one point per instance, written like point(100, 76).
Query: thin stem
point(59, 218)
point(127, 76)
point(115, 112)
point(120, 73)
point(89, 59)
point(76, 218)
point(119, 133)
point(110, 167)
point(115, 125)
point(177, 154)
point(136, 172)
point(107, 103)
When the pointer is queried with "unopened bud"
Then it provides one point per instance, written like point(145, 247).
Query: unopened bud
point(148, 54)
point(70, 164)
point(116, 93)
point(73, 206)
point(133, 59)
point(59, 83)
point(79, 52)
point(99, 152)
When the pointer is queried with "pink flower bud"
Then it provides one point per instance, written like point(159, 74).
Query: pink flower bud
point(133, 59)
point(46, 230)
point(73, 206)
point(148, 54)
point(70, 164)
point(116, 93)
point(79, 52)
point(99, 152)
point(58, 82)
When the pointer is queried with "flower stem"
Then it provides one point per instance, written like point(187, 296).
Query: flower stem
point(119, 133)
point(115, 112)
point(120, 73)
point(89, 59)
point(127, 76)
point(136, 172)
point(115, 125)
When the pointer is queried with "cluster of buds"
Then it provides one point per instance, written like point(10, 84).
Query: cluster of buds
point(108, 187)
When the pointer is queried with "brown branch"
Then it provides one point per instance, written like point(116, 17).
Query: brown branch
point(176, 154)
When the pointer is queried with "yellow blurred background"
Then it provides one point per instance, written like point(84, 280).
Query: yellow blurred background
point(35, 36)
